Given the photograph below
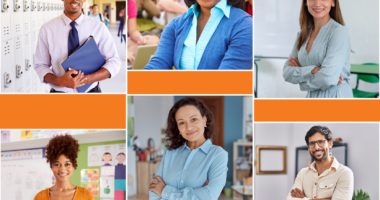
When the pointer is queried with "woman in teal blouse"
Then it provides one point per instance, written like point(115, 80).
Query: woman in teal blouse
point(320, 60)
point(192, 167)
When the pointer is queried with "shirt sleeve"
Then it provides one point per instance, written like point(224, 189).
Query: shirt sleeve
point(159, 172)
point(345, 186)
point(108, 49)
point(239, 53)
point(337, 56)
point(293, 74)
point(132, 9)
point(163, 58)
point(298, 184)
point(217, 175)
point(42, 59)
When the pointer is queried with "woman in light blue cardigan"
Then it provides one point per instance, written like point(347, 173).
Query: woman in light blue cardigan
point(213, 34)
point(320, 60)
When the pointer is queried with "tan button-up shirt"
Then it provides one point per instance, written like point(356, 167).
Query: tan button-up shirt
point(336, 183)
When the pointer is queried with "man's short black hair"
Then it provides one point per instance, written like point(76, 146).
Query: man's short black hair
point(318, 129)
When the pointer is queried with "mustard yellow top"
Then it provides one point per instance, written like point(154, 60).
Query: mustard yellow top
point(81, 193)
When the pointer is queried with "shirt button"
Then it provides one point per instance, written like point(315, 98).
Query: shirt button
point(316, 183)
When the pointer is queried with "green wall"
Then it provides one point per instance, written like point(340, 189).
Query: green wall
point(82, 159)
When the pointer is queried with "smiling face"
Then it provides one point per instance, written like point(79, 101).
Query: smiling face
point(319, 147)
point(62, 168)
point(73, 7)
point(320, 9)
point(191, 124)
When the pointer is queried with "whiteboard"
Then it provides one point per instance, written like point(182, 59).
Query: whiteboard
point(276, 27)
point(24, 173)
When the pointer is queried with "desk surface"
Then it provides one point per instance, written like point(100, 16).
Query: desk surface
point(364, 69)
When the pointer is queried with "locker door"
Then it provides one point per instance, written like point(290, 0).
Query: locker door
point(6, 43)
point(17, 18)
point(18, 64)
point(27, 65)
point(7, 69)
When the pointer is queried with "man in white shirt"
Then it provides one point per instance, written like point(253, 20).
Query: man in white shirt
point(325, 178)
point(61, 36)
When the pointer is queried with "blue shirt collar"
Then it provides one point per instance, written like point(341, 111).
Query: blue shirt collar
point(221, 5)
point(205, 147)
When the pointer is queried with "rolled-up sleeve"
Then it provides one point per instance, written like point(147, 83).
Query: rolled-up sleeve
point(108, 49)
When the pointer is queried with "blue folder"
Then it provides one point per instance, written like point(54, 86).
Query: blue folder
point(86, 58)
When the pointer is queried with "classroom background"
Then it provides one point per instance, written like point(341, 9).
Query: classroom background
point(147, 117)
point(20, 25)
point(25, 171)
point(276, 26)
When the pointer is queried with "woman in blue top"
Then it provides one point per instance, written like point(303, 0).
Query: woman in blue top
point(192, 167)
point(212, 34)
point(320, 60)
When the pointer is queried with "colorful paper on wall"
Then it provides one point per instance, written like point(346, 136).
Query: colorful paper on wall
point(107, 188)
point(107, 171)
point(90, 180)
point(120, 184)
point(119, 195)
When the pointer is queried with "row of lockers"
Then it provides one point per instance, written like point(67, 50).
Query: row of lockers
point(20, 24)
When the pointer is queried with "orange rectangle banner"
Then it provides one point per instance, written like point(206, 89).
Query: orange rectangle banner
point(63, 111)
point(190, 82)
point(316, 110)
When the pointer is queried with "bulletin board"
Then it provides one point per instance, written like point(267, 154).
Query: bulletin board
point(108, 188)
point(24, 173)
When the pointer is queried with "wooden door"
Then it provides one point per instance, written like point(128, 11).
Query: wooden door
point(216, 105)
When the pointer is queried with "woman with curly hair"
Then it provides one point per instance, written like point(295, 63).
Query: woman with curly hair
point(62, 153)
point(192, 167)
point(320, 60)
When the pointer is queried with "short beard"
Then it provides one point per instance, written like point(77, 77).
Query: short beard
point(324, 157)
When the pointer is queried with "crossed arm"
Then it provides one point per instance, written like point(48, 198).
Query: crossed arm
point(329, 73)
point(210, 190)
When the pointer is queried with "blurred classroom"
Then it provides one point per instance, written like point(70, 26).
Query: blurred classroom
point(147, 117)
point(25, 171)
point(20, 25)
point(276, 28)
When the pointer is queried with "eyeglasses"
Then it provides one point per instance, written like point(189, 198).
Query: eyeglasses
point(319, 142)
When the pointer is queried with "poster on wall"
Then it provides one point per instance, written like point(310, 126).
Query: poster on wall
point(89, 178)
point(105, 155)
point(107, 188)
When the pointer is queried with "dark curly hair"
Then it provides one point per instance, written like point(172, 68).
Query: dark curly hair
point(62, 145)
point(318, 129)
point(173, 138)
point(235, 3)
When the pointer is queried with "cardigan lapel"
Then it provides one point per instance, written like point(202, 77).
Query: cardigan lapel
point(181, 37)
